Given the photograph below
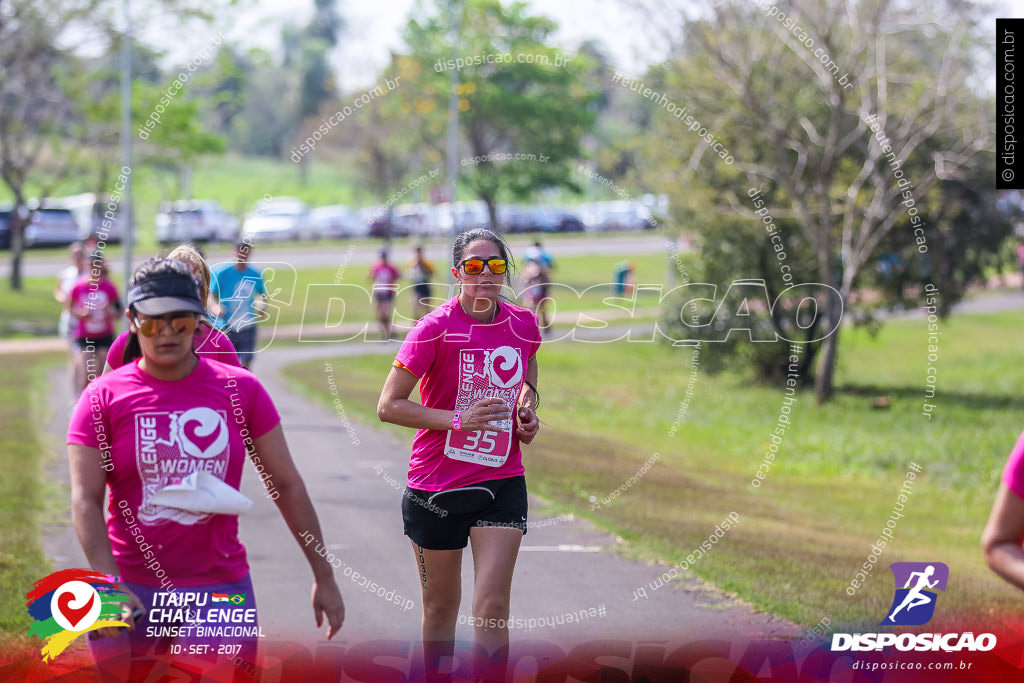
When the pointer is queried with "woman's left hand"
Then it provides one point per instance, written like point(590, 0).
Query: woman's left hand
point(327, 600)
point(528, 425)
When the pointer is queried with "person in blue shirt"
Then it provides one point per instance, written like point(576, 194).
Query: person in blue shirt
point(238, 292)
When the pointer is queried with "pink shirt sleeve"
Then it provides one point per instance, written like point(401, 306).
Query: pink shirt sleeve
point(89, 424)
point(1013, 474)
point(216, 346)
point(419, 350)
point(115, 355)
point(226, 352)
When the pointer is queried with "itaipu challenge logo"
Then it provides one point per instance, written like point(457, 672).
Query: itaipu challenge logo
point(68, 603)
point(914, 603)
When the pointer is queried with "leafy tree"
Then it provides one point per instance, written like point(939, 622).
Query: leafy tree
point(800, 129)
point(35, 108)
point(510, 104)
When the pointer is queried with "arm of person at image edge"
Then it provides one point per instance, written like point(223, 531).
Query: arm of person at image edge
point(1004, 532)
point(414, 360)
point(297, 510)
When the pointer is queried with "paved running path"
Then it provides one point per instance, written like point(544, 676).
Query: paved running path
point(566, 565)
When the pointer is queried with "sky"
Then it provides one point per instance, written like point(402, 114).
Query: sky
point(374, 26)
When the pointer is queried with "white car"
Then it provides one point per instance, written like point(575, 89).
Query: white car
point(51, 226)
point(338, 221)
point(195, 221)
point(279, 219)
point(617, 215)
point(470, 215)
point(93, 215)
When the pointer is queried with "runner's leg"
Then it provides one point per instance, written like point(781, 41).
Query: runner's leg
point(494, 559)
point(440, 574)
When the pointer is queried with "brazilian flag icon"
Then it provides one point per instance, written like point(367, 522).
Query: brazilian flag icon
point(238, 598)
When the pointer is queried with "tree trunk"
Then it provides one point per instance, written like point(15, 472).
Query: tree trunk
point(823, 381)
point(17, 244)
point(492, 213)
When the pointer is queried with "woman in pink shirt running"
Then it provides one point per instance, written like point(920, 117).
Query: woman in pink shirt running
point(93, 305)
point(169, 435)
point(474, 358)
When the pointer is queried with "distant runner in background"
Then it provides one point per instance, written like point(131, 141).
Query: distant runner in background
point(537, 268)
point(66, 279)
point(537, 252)
point(623, 272)
point(93, 304)
point(420, 272)
point(238, 293)
point(385, 278)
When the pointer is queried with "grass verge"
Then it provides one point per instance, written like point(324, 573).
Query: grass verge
point(23, 491)
point(803, 535)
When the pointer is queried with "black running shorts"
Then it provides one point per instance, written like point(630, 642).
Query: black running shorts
point(441, 520)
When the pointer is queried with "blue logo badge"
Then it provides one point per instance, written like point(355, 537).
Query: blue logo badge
point(916, 584)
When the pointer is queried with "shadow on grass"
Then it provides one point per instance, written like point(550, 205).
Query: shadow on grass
point(966, 400)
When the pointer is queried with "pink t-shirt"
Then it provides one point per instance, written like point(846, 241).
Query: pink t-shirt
point(1013, 473)
point(95, 298)
point(209, 342)
point(158, 432)
point(384, 277)
point(460, 360)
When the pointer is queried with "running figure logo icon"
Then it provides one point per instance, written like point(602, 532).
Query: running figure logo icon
point(914, 603)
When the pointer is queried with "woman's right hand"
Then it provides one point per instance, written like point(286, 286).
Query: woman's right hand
point(480, 414)
point(130, 606)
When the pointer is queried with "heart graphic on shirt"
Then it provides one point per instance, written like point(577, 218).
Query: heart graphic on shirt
point(203, 432)
point(504, 367)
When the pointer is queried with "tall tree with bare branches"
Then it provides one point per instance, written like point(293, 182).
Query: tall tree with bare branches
point(825, 107)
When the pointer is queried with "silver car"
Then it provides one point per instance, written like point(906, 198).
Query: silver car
point(198, 220)
point(279, 219)
point(51, 226)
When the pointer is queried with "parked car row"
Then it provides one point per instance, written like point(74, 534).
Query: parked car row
point(194, 221)
point(47, 226)
point(62, 221)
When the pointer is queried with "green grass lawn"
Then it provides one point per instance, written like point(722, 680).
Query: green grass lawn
point(607, 408)
point(24, 491)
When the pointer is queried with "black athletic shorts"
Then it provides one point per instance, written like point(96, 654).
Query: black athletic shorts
point(104, 342)
point(441, 520)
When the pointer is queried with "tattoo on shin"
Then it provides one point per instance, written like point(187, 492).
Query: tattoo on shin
point(423, 567)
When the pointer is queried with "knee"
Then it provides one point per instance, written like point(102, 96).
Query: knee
point(491, 606)
point(440, 611)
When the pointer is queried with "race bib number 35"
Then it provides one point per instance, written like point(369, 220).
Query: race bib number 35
point(485, 373)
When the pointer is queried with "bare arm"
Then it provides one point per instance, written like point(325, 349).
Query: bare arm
point(1001, 539)
point(528, 421)
point(88, 484)
point(271, 451)
point(395, 407)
